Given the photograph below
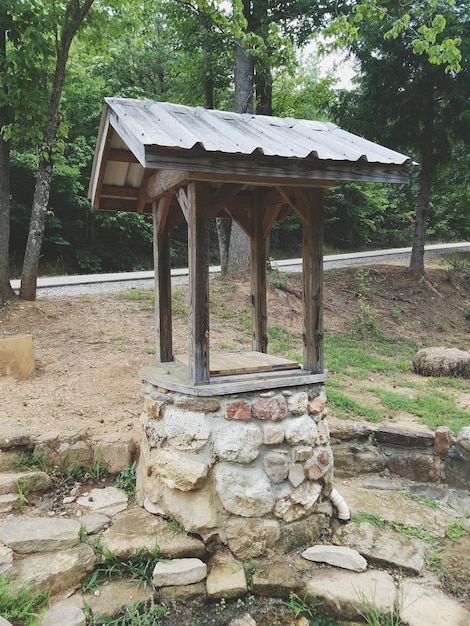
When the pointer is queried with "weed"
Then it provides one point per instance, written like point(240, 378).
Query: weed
point(431, 504)
point(137, 567)
point(345, 407)
point(374, 616)
point(396, 313)
point(177, 305)
point(251, 568)
point(278, 278)
point(126, 480)
point(457, 529)
point(140, 614)
point(220, 606)
point(22, 493)
point(405, 529)
point(174, 525)
point(23, 605)
point(97, 472)
point(301, 608)
point(29, 460)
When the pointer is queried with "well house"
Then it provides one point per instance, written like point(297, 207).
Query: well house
point(235, 445)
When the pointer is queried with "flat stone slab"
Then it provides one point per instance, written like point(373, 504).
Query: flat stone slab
point(226, 578)
point(394, 507)
point(92, 523)
point(179, 572)
point(55, 571)
point(137, 529)
point(383, 547)
point(116, 595)
point(429, 607)
point(108, 501)
point(338, 556)
point(63, 614)
point(39, 534)
point(344, 593)
point(13, 436)
point(29, 481)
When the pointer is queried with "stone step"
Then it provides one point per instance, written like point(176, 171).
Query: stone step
point(24, 482)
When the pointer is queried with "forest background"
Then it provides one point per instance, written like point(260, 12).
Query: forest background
point(411, 93)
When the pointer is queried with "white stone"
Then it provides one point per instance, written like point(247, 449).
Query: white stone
point(243, 491)
point(323, 431)
point(6, 559)
point(237, 442)
point(244, 620)
point(463, 438)
point(186, 430)
point(8, 502)
point(92, 523)
point(108, 501)
point(179, 572)
point(31, 481)
point(115, 595)
point(273, 433)
point(299, 503)
point(298, 403)
point(276, 465)
point(39, 534)
point(4, 622)
point(301, 430)
point(180, 471)
point(339, 556)
point(296, 475)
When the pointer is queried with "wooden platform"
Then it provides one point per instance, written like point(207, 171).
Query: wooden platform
point(227, 363)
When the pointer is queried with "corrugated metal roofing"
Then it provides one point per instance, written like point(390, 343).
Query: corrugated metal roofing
point(166, 125)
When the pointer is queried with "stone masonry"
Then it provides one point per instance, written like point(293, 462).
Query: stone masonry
point(223, 464)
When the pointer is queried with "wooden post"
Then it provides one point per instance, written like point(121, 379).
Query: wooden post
point(312, 260)
point(198, 261)
point(162, 265)
point(258, 281)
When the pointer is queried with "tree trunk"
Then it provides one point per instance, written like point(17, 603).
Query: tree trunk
point(425, 182)
point(206, 48)
point(73, 18)
point(6, 292)
point(264, 90)
point(224, 226)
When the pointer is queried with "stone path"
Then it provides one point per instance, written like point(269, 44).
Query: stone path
point(392, 531)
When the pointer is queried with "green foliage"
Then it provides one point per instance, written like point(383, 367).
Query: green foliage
point(21, 606)
point(126, 479)
point(137, 567)
point(431, 409)
point(430, 504)
point(458, 529)
point(405, 529)
point(28, 460)
point(374, 616)
point(345, 407)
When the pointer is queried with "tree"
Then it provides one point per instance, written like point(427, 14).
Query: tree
point(5, 288)
point(73, 17)
point(412, 94)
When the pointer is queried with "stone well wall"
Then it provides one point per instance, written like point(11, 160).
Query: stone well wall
point(253, 471)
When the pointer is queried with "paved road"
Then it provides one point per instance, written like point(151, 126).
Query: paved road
point(105, 283)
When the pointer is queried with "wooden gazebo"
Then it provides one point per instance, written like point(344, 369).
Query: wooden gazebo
point(192, 164)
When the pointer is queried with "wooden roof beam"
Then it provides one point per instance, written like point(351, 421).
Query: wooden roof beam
point(163, 181)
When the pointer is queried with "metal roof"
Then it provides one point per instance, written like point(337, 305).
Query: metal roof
point(162, 135)
point(176, 126)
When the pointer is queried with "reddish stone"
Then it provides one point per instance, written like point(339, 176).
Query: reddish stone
point(240, 410)
point(319, 464)
point(274, 409)
point(442, 440)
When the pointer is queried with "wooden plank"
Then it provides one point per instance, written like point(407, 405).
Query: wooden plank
point(163, 181)
point(221, 197)
point(116, 191)
point(227, 363)
point(162, 264)
point(174, 377)
point(198, 261)
point(121, 156)
point(312, 259)
point(101, 162)
point(243, 168)
point(259, 339)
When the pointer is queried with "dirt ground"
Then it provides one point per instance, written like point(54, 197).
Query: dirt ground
point(88, 349)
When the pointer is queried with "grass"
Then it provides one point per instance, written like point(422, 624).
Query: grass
point(416, 532)
point(126, 480)
point(140, 614)
point(138, 568)
point(21, 606)
point(345, 407)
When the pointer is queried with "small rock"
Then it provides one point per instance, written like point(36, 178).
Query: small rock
point(226, 578)
point(63, 614)
point(108, 501)
point(244, 620)
point(179, 572)
point(39, 534)
point(339, 556)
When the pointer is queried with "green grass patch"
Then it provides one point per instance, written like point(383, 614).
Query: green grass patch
point(405, 529)
point(282, 341)
point(432, 411)
point(347, 353)
point(21, 606)
point(345, 407)
point(430, 504)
